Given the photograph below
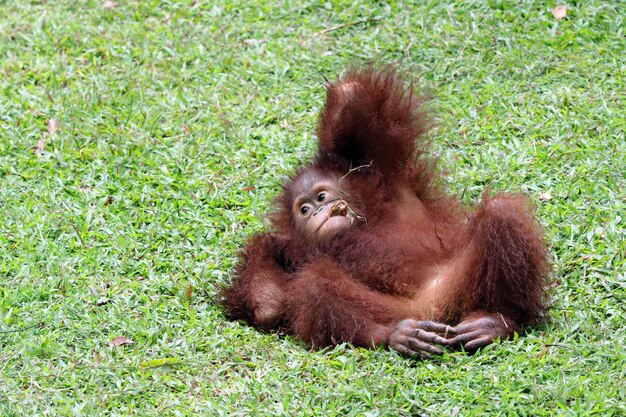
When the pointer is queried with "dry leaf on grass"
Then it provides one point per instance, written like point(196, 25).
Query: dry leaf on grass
point(559, 12)
point(119, 341)
point(53, 125)
point(189, 291)
point(39, 147)
point(545, 196)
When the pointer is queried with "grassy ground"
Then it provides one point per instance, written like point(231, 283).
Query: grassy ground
point(121, 219)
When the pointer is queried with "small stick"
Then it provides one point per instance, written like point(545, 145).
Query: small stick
point(337, 27)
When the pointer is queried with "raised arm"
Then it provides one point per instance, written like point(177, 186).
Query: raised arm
point(374, 117)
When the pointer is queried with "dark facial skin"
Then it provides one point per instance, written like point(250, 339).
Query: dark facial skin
point(318, 210)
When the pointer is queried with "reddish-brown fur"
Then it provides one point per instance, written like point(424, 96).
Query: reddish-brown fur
point(414, 253)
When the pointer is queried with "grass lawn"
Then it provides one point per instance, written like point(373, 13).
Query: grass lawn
point(141, 143)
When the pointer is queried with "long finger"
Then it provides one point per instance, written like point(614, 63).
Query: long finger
point(465, 337)
point(484, 322)
point(478, 343)
point(406, 351)
point(433, 338)
point(419, 345)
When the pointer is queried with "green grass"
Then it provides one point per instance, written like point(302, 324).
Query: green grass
point(136, 207)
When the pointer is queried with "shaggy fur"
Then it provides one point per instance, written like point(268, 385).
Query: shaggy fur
point(412, 252)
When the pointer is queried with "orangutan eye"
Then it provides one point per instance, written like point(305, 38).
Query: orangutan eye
point(304, 210)
point(321, 197)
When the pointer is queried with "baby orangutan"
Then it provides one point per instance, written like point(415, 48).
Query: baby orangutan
point(367, 249)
